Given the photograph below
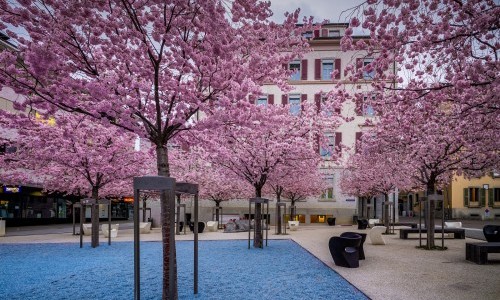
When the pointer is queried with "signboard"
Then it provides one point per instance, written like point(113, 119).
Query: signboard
point(88, 201)
point(350, 200)
point(11, 189)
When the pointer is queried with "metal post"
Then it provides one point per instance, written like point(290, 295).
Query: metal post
point(177, 232)
point(82, 211)
point(137, 275)
point(428, 221)
point(73, 207)
point(109, 222)
point(442, 226)
point(420, 224)
point(267, 222)
point(249, 221)
point(196, 244)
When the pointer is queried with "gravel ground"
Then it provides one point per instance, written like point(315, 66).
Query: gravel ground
point(397, 270)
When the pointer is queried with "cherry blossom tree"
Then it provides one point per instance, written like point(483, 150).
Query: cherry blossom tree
point(253, 150)
point(434, 66)
point(146, 66)
point(437, 147)
point(216, 183)
point(433, 53)
point(309, 185)
point(374, 172)
point(76, 156)
point(296, 180)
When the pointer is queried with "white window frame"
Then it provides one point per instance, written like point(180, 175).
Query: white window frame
point(367, 109)
point(328, 61)
point(262, 100)
point(333, 33)
point(294, 100)
point(329, 193)
point(368, 75)
point(296, 75)
point(328, 152)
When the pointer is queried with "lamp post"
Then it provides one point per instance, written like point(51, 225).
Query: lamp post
point(486, 201)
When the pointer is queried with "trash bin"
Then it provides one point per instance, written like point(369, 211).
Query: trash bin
point(2, 227)
point(354, 219)
point(152, 222)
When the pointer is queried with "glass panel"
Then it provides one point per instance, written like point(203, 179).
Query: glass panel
point(371, 74)
point(262, 101)
point(294, 102)
point(334, 33)
point(327, 150)
point(295, 66)
point(326, 69)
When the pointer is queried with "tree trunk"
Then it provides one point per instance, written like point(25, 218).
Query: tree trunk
point(430, 216)
point(144, 209)
point(278, 210)
point(177, 226)
point(95, 218)
point(258, 237)
point(169, 292)
point(292, 210)
point(217, 205)
point(387, 219)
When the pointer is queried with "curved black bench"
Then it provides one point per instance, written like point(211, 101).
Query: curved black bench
point(492, 233)
point(330, 221)
point(363, 239)
point(344, 251)
point(201, 226)
point(362, 223)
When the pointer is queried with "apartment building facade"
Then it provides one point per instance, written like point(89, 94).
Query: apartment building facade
point(310, 81)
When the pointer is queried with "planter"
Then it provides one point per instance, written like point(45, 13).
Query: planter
point(330, 221)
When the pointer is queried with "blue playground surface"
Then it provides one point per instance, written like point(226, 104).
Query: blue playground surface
point(227, 270)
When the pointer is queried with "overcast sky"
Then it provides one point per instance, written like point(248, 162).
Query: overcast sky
point(319, 9)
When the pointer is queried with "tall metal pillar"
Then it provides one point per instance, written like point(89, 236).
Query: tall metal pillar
point(153, 183)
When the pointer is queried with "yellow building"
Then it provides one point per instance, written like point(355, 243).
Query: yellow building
point(475, 198)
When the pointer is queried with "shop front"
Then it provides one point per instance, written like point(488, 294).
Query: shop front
point(27, 206)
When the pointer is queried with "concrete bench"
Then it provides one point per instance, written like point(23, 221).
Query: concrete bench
point(478, 252)
point(458, 233)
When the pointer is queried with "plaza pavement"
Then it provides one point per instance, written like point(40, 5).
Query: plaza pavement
point(397, 270)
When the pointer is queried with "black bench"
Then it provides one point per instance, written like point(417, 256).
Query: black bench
point(478, 252)
point(458, 233)
point(412, 225)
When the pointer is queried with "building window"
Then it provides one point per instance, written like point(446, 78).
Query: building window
point(308, 35)
point(333, 33)
point(294, 101)
point(319, 218)
point(262, 100)
point(295, 67)
point(494, 197)
point(474, 197)
point(368, 110)
point(496, 194)
point(368, 74)
point(328, 193)
point(326, 69)
point(324, 102)
point(327, 150)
